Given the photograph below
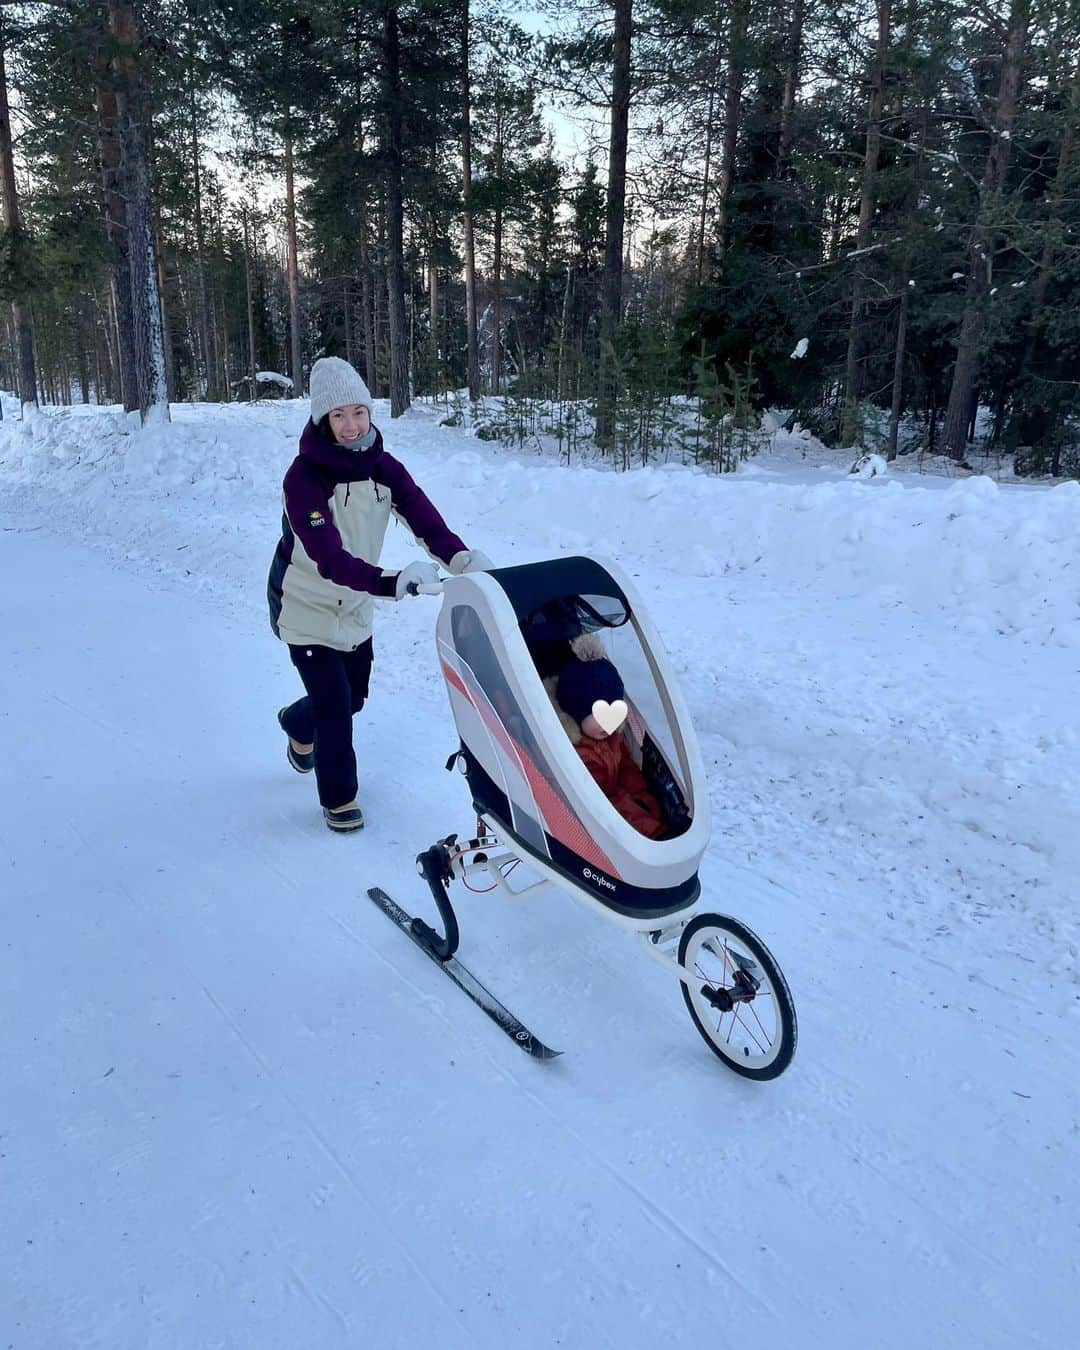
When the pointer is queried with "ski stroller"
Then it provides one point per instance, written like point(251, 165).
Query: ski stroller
point(500, 634)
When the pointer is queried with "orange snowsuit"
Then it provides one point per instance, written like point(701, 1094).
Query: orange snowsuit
point(622, 783)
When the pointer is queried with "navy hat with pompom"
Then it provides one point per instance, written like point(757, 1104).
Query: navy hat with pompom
point(583, 682)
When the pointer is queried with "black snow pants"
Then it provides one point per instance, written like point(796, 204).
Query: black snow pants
point(337, 685)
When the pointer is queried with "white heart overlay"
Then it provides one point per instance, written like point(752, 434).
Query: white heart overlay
point(610, 716)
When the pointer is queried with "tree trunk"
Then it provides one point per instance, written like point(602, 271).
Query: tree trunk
point(791, 89)
point(252, 367)
point(433, 280)
point(381, 300)
point(123, 326)
point(183, 290)
point(20, 305)
point(1054, 197)
point(395, 215)
point(564, 331)
point(41, 386)
point(433, 307)
point(965, 370)
point(703, 215)
point(112, 340)
point(897, 402)
point(346, 320)
point(471, 339)
point(496, 307)
point(367, 304)
point(24, 346)
point(410, 310)
point(367, 288)
point(206, 329)
point(898, 362)
point(497, 252)
point(616, 196)
point(82, 362)
point(98, 326)
point(145, 301)
point(220, 327)
point(166, 335)
point(611, 293)
point(867, 199)
point(297, 371)
point(732, 102)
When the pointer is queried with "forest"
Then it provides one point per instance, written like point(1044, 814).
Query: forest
point(861, 214)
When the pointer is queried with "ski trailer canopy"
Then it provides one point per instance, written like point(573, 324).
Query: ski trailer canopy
point(499, 635)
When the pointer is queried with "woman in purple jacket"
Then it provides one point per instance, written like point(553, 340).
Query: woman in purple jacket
point(339, 493)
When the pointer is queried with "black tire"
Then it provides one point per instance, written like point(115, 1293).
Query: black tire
point(761, 1046)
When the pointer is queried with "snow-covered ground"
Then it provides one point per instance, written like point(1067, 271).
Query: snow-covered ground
point(238, 1109)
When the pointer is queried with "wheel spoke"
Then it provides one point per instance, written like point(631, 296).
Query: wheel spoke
point(763, 1048)
point(730, 967)
point(719, 984)
point(757, 1019)
point(734, 1015)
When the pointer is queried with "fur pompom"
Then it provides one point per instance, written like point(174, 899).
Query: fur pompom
point(589, 647)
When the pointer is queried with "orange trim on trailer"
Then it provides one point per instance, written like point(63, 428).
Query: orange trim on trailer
point(562, 822)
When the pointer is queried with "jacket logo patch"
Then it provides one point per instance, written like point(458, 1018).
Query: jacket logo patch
point(316, 518)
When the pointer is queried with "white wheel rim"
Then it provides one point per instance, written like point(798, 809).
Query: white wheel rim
point(752, 1033)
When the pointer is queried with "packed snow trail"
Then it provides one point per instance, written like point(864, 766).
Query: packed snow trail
point(239, 1109)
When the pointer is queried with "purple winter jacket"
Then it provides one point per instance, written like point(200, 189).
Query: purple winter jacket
point(337, 505)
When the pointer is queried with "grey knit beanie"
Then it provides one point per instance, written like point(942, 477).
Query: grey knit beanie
point(334, 384)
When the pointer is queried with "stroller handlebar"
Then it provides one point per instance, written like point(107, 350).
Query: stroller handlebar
point(435, 588)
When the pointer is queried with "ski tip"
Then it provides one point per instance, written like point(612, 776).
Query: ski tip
point(539, 1050)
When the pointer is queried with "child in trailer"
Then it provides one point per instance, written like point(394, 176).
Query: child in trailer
point(339, 494)
point(588, 695)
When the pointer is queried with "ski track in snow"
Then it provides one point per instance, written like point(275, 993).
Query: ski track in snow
point(242, 1110)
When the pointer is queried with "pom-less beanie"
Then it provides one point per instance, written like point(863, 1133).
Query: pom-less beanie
point(334, 384)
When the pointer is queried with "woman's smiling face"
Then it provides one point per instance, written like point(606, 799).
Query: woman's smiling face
point(350, 423)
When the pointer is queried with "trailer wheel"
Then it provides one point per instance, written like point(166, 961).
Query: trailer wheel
point(739, 999)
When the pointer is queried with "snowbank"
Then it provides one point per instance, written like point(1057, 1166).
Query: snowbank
point(987, 558)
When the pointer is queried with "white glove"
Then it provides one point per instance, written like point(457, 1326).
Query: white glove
point(413, 576)
point(469, 560)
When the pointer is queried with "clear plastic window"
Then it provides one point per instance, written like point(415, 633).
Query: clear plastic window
point(654, 741)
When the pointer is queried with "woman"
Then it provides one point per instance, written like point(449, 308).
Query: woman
point(339, 493)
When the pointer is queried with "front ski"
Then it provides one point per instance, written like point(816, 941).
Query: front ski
point(518, 1032)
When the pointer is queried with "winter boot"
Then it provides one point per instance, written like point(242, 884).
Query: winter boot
point(348, 818)
point(300, 762)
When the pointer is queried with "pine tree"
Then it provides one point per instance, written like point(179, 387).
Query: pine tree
point(127, 77)
point(17, 259)
point(501, 193)
point(958, 415)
